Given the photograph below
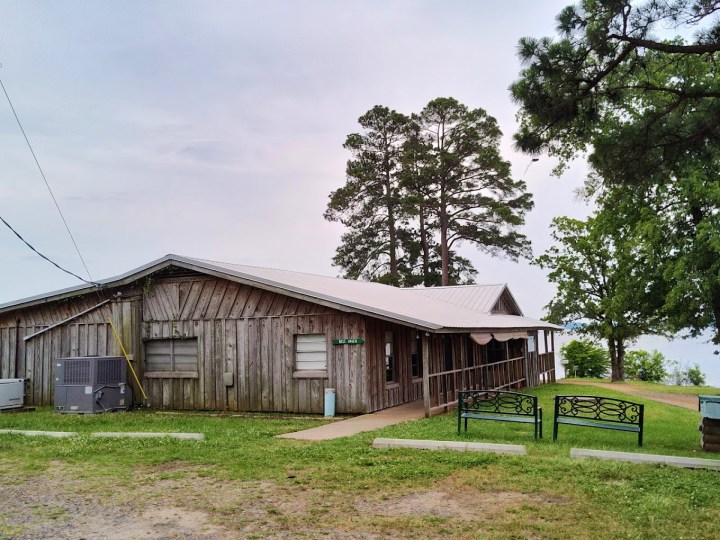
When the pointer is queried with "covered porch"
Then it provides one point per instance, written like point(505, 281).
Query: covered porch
point(484, 360)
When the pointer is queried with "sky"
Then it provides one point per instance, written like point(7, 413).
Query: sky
point(215, 129)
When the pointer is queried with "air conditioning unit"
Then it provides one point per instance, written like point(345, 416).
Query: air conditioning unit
point(91, 384)
point(12, 393)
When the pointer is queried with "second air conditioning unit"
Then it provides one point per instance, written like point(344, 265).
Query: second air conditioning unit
point(12, 392)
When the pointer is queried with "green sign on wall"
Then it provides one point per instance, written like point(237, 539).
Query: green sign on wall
point(348, 341)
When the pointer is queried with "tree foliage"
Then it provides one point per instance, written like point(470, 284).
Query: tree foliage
point(605, 58)
point(369, 204)
point(685, 375)
point(676, 228)
point(645, 111)
point(470, 194)
point(645, 366)
point(585, 359)
point(592, 266)
point(695, 376)
point(418, 187)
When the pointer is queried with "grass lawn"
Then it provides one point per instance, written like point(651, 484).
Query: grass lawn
point(256, 486)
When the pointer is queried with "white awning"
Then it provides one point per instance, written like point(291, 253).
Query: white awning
point(483, 338)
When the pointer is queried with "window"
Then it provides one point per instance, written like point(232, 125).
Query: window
point(310, 356)
point(171, 358)
point(416, 358)
point(390, 374)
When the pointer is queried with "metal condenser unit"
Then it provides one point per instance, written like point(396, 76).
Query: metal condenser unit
point(12, 392)
point(91, 384)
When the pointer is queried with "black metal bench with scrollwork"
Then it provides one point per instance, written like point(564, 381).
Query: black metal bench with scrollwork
point(500, 406)
point(599, 412)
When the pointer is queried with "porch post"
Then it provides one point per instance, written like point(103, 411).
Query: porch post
point(526, 364)
point(426, 372)
point(552, 346)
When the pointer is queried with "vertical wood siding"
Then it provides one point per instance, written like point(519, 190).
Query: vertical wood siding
point(87, 335)
point(250, 334)
point(404, 389)
point(246, 349)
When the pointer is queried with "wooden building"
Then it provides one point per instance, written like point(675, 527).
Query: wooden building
point(205, 335)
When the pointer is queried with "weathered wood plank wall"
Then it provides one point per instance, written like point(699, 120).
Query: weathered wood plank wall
point(404, 389)
point(89, 334)
point(246, 337)
point(246, 348)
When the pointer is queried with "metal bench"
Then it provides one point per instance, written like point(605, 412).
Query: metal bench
point(599, 412)
point(499, 406)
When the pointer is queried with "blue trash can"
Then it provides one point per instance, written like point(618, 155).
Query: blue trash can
point(329, 402)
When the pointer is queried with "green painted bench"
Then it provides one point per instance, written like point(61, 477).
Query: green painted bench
point(498, 405)
point(599, 412)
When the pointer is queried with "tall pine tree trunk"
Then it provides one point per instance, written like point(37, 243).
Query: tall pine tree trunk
point(392, 232)
point(444, 250)
point(425, 248)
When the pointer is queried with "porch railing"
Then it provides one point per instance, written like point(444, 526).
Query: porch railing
point(546, 367)
point(501, 375)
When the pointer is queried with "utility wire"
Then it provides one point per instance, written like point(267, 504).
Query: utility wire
point(98, 285)
point(51, 194)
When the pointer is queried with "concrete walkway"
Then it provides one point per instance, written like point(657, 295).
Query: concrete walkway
point(358, 424)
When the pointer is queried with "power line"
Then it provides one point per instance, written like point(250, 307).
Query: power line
point(98, 285)
point(50, 190)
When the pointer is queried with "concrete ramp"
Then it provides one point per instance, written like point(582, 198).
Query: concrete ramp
point(358, 424)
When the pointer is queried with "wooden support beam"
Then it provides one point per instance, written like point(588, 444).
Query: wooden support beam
point(426, 372)
point(26, 338)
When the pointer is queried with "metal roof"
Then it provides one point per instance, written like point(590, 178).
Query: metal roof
point(462, 309)
point(480, 298)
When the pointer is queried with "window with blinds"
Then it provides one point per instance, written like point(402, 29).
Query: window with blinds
point(171, 356)
point(310, 355)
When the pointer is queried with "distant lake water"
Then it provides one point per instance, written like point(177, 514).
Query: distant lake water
point(685, 351)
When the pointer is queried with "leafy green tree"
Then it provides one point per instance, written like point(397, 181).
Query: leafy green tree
point(676, 229)
point(645, 366)
point(592, 266)
point(695, 376)
point(606, 56)
point(370, 203)
point(585, 359)
point(686, 375)
point(645, 112)
point(467, 191)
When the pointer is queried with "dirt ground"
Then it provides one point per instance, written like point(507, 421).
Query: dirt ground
point(686, 401)
point(178, 501)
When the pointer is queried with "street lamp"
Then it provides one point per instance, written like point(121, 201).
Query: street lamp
point(533, 160)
